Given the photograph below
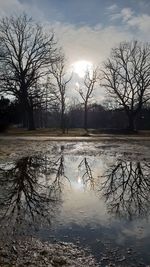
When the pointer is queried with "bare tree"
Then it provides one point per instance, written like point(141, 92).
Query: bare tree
point(45, 101)
point(126, 189)
point(27, 52)
point(58, 69)
point(126, 76)
point(86, 93)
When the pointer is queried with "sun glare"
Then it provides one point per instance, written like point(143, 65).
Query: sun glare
point(80, 67)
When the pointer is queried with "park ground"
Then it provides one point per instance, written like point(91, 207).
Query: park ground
point(78, 132)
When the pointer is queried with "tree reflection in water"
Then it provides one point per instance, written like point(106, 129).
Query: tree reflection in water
point(126, 189)
point(31, 189)
point(57, 171)
point(85, 174)
point(30, 192)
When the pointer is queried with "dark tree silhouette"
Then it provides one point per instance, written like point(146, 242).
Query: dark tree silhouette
point(86, 93)
point(59, 87)
point(27, 52)
point(126, 78)
point(4, 113)
point(126, 189)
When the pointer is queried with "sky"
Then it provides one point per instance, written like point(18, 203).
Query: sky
point(87, 29)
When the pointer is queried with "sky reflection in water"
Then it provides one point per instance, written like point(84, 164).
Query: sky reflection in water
point(93, 199)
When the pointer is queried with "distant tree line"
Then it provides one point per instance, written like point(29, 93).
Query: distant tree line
point(100, 118)
point(9, 113)
point(33, 71)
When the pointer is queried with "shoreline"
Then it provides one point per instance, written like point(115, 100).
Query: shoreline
point(90, 138)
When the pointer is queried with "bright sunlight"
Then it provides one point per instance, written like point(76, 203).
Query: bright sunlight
point(80, 67)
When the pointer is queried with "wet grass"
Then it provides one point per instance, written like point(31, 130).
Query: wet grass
point(45, 132)
point(54, 132)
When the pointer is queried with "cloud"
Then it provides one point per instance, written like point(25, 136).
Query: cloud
point(13, 7)
point(132, 21)
point(124, 14)
point(112, 8)
point(142, 23)
point(86, 42)
point(9, 6)
point(89, 43)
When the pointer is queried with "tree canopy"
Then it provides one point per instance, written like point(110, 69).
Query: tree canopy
point(126, 76)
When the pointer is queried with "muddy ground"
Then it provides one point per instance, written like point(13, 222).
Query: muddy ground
point(14, 148)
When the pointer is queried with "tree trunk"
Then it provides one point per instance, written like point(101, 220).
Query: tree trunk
point(27, 105)
point(24, 119)
point(131, 123)
point(31, 124)
point(24, 112)
point(85, 117)
point(62, 121)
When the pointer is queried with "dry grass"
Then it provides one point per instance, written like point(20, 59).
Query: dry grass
point(45, 132)
point(72, 132)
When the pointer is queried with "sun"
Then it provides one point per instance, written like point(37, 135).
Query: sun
point(80, 67)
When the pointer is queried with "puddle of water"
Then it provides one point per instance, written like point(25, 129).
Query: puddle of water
point(100, 200)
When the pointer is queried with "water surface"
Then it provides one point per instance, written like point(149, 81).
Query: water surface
point(97, 197)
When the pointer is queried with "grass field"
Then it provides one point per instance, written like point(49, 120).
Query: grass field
point(45, 132)
point(72, 132)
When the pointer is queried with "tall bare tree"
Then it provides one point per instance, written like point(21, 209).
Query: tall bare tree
point(86, 92)
point(126, 76)
point(27, 52)
point(61, 78)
